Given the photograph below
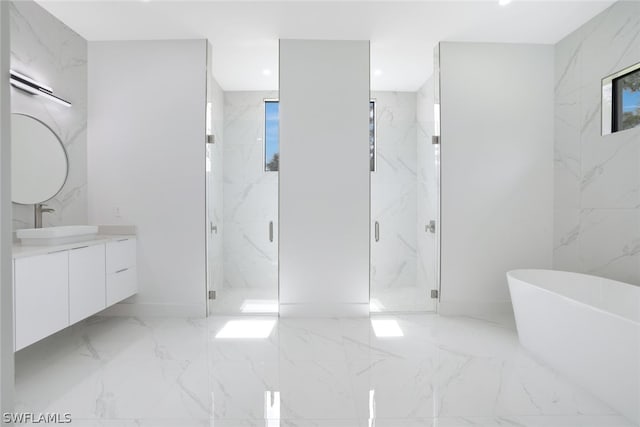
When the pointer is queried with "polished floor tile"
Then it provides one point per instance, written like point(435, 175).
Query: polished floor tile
point(411, 370)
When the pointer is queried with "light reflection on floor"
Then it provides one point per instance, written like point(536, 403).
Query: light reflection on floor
point(265, 371)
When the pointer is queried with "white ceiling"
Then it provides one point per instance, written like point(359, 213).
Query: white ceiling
point(245, 34)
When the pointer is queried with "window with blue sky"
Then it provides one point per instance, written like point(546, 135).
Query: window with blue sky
point(627, 94)
point(272, 136)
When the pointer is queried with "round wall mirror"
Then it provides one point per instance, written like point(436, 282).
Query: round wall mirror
point(39, 162)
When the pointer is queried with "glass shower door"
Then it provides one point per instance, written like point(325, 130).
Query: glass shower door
point(403, 202)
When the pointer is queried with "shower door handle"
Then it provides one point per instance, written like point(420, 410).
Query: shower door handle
point(271, 231)
point(377, 231)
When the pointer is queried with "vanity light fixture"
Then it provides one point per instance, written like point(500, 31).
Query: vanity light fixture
point(33, 87)
point(504, 2)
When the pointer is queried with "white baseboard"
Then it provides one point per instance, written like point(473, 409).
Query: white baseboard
point(480, 309)
point(155, 310)
point(316, 310)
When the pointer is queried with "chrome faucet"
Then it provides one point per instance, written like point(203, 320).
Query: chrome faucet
point(39, 209)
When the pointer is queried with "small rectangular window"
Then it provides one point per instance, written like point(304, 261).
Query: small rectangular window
point(271, 135)
point(626, 101)
point(372, 136)
point(621, 100)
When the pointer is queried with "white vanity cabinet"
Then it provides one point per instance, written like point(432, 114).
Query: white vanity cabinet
point(121, 270)
point(55, 287)
point(87, 292)
point(41, 296)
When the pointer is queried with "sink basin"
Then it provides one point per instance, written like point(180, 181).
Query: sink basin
point(57, 235)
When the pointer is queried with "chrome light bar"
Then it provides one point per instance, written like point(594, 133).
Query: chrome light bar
point(33, 87)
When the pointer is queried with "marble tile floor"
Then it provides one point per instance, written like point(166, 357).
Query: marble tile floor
point(428, 371)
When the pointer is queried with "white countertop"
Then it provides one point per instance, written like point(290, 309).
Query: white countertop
point(20, 251)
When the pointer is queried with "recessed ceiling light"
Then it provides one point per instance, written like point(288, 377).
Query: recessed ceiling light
point(266, 72)
point(504, 2)
point(246, 329)
point(377, 72)
point(386, 328)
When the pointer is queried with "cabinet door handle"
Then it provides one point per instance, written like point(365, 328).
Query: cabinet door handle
point(79, 247)
point(122, 240)
point(377, 231)
point(57, 252)
point(271, 231)
point(122, 270)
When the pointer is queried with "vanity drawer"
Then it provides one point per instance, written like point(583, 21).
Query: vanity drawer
point(121, 284)
point(121, 254)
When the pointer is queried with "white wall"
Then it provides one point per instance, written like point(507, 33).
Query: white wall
point(497, 169)
point(6, 292)
point(597, 178)
point(147, 103)
point(44, 48)
point(324, 177)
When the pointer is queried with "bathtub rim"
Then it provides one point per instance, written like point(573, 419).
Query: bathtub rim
point(511, 275)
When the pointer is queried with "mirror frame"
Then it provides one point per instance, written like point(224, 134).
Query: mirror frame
point(64, 150)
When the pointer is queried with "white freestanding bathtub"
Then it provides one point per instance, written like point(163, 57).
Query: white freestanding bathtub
point(586, 328)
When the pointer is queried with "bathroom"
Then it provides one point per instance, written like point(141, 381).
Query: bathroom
point(441, 179)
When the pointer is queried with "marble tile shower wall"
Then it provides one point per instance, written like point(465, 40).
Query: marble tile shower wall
point(47, 50)
point(394, 192)
point(250, 196)
point(597, 179)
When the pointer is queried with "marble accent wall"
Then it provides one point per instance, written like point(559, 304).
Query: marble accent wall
point(394, 192)
point(250, 197)
point(45, 49)
point(597, 179)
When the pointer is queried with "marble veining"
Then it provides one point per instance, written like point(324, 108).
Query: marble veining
point(47, 50)
point(597, 179)
point(394, 192)
point(444, 371)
